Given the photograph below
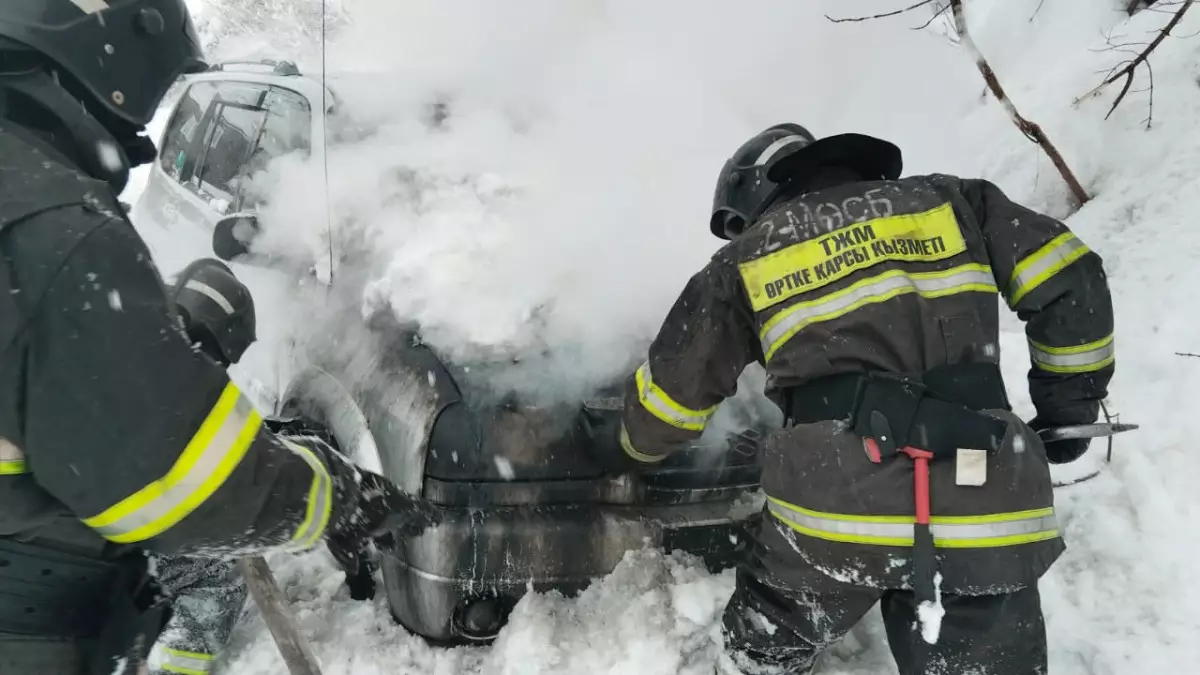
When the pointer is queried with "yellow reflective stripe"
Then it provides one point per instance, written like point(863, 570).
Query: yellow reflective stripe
point(187, 663)
point(972, 277)
point(207, 461)
point(320, 498)
point(658, 403)
point(1082, 359)
point(627, 446)
point(982, 531)
point(808, 265)
point(1044, 263)
point(13, 467)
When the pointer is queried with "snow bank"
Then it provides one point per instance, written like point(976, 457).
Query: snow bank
point(565, 204)
point(654, 615)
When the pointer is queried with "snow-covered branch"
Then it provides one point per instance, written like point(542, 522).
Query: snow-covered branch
point(1031, 130)
point(1128, 69)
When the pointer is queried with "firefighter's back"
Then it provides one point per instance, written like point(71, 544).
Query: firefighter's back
point(877, 303)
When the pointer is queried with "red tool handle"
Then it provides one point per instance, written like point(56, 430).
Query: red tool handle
point(920, 460)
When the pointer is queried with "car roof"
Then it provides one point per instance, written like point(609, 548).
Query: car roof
point(307, 86)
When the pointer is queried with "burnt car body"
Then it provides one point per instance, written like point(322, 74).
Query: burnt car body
point(524, 507)
point(523, 504)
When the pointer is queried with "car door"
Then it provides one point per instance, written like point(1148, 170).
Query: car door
point(164, 201)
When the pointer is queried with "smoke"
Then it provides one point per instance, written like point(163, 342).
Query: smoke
point(538, 226)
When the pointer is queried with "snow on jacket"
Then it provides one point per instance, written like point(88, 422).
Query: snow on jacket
point(895, 277)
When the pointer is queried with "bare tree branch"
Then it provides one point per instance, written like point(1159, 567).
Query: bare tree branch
point(1150, 116)
point(1031, 130)
point(1039, 8)
point(933, 18)
point(1195, 356)
point(885, 15)
point(1129, 68)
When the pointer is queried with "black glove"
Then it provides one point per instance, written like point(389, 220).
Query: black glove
point(385, 511)
point(1064, 451)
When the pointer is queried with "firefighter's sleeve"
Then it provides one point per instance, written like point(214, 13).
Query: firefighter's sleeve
point(705, 342)
point(1057, 286)
point(207, 597)
point(144, 438)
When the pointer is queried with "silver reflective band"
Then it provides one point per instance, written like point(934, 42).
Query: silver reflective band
point(1082, 359)
point(1044, 263)
point(320, 498)
point(876, 289)
point(662, 406)
point(948, 532)
point(90, 6)
point(210, 457)
point(186, 663)
point(12, 460)
point(778, 145)
point(212, 294)
point(627, 446)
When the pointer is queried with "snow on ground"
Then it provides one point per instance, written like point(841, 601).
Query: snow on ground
point(612, 120)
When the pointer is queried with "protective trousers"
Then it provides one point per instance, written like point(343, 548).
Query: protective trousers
point(773, 629)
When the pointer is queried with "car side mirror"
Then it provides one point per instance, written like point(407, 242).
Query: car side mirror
point(234, 234)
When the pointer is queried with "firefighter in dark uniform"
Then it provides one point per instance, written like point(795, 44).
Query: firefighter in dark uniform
point(118, 435)
point(901, 475)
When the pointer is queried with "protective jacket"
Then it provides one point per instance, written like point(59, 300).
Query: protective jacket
point(115, 435)
point(882, 297)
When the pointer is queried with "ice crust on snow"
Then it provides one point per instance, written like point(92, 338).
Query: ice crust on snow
point(619, 138)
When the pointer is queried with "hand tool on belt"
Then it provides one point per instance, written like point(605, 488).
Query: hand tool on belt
point(927, 417)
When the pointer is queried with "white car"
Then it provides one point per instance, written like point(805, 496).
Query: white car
point(524, 504)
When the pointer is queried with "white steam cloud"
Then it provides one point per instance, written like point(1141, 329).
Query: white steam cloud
point(544, 228)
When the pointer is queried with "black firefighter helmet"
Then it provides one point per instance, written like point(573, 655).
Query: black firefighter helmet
point(217, 309)
point(754, 177)
point(119, 56)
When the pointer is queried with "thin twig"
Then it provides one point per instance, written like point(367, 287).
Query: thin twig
point(1194, 356)
point(1130, 68)
point(885, 15)
point(1039, 8)
point(1150, 116)
point(933, 18)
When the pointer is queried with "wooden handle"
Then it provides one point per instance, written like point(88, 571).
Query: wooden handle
point(293, 647)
